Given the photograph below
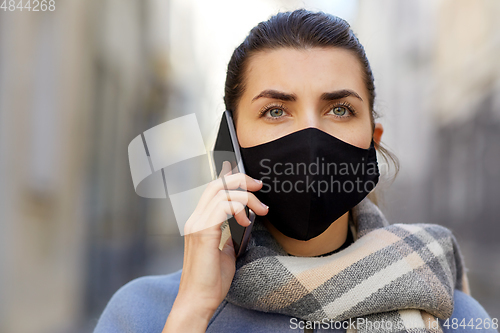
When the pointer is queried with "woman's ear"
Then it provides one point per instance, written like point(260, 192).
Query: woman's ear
point(377, 133)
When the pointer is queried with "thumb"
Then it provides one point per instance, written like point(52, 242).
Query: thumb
point(228, 248)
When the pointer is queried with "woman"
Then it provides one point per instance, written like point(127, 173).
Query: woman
point(320, 258)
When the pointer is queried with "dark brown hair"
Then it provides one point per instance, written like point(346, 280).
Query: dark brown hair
point(300, 29)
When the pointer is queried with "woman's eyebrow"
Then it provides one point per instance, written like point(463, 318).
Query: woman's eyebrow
point(330, 96)
point(276, 95)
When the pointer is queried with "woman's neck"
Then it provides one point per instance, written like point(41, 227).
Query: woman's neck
point(330, 240)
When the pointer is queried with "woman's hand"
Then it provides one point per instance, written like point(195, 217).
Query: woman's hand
point(208, 271)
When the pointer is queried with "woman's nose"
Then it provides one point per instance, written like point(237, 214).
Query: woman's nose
point(308, 118)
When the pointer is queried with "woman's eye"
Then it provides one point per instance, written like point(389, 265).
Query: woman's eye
point(340, 111)
point(275, 113)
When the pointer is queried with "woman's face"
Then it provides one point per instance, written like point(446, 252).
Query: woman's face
point(288, 90)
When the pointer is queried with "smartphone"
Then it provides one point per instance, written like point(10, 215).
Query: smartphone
point(227, 148)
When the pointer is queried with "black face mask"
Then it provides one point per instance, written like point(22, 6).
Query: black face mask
point(310, 179)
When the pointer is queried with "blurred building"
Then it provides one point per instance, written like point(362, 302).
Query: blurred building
point(44, 123)
point(438, 79)
point(76, 86)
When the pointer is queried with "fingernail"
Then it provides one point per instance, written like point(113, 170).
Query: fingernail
point(266, 206)
point(258, 181)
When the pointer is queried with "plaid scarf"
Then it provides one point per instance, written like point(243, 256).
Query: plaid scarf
point(402, 276)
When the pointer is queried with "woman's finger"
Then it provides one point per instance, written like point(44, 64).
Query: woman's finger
point(226, 169)
point(215, 217)
point(206, 195)
point(229, 182)
point(246, 198)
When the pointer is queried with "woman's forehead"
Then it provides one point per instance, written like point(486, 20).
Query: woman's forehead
point(304, 71)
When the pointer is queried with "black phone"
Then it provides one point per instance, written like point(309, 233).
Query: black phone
point(227, 148)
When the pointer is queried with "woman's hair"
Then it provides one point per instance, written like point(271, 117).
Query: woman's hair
point(300, 29)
